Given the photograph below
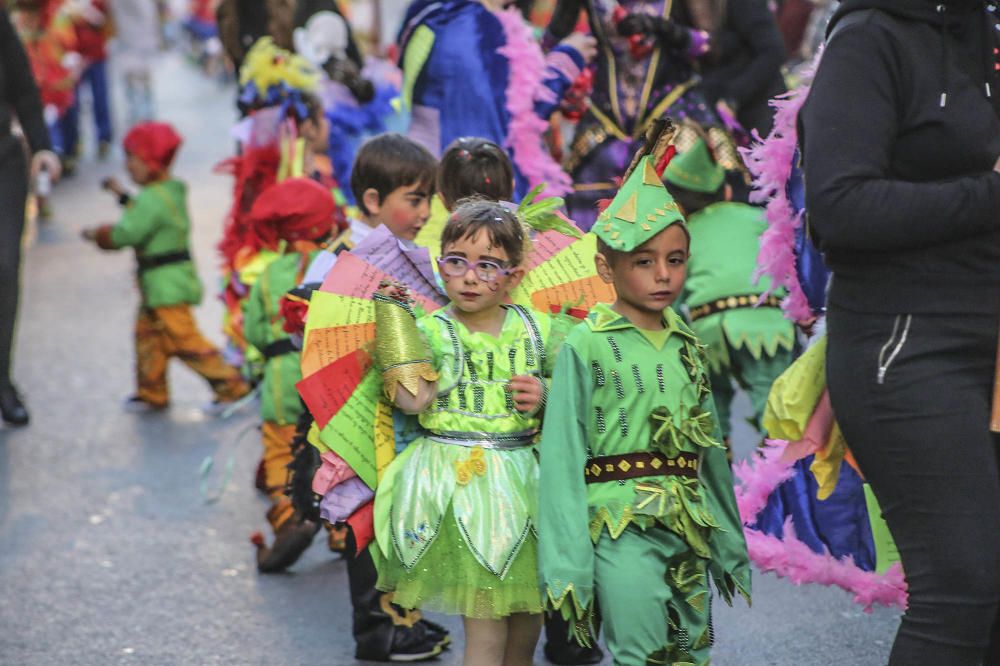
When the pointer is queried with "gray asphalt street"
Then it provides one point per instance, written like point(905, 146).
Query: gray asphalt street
point(110, 552)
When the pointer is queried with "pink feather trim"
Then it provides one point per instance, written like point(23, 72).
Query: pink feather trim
point(790, 557)
point(524, 136)
point(770, 162)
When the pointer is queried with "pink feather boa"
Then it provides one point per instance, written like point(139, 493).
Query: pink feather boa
point(791, 558)
point(524, 136)
point(770, 162)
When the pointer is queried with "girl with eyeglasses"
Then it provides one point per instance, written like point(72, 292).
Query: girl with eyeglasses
point(455, 511)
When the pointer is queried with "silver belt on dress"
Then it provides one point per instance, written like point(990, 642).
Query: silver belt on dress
point(501, 441)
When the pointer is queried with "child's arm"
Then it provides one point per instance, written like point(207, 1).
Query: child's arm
point(402, 353)
point(111, 184)
point(136, 225)
point(730, 564)
point(255, 324)
point(563, 65)
point(565, 551)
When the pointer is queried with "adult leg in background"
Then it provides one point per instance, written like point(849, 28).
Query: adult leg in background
point(98, 77)
point(912, 396)
point(13, 192)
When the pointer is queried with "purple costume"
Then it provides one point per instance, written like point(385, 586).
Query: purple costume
point(629, 93)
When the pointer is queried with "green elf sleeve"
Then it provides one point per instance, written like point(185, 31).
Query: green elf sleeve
point(137, 223)
point(565, 551)
point(730, 563)
point(256, 327)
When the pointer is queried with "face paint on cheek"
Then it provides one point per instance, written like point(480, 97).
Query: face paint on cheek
point(493, 286)
point(401, 218)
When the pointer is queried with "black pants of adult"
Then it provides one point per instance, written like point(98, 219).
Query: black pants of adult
point(912, 394)
point(13, 192)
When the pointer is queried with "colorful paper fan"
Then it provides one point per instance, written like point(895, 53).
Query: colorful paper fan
point(561, 273)
point(341, 393)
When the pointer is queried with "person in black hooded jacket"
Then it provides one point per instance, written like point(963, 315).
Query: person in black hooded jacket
point(901, 138)
point(18, 99)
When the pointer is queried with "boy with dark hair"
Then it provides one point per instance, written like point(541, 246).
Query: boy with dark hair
point(393, 182)
point(637, 507)
point(748, 339)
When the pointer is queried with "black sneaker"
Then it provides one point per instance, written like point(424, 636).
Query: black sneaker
point(437, 632)
point(409, 644)
point(414, 643)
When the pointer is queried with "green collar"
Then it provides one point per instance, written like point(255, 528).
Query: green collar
point(603, 319)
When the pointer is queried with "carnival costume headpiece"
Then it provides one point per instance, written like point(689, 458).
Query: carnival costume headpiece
point(643, 207)
point(296, 209)
point(154, 143)
point(696, 170)
point(272, 76)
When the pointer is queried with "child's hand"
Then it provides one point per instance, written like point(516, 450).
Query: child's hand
point(585, 45)
point(112, 185)
point(526, 391)
point(807, 325)
point(394, 290)
point(89, 234)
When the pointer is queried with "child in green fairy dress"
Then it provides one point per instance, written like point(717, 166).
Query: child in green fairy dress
point(455, 512)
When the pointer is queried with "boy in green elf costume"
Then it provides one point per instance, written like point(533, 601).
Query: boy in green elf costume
point(156, 224)
point(749, 340)
point(637, 506)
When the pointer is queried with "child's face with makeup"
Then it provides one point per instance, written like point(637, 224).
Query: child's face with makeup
point(469, 292)
point(404, 210)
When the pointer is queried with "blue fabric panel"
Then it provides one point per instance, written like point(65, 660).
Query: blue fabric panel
point(838, 524)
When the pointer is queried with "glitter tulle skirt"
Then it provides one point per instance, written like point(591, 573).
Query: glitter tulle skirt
point(449, 579)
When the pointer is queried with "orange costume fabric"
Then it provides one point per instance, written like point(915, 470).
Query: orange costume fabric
point(170, 331)
point(277, 441)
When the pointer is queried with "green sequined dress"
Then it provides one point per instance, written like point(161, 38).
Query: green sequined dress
point(455, 512)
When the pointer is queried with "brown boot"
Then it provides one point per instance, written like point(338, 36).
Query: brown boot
point(290, 541)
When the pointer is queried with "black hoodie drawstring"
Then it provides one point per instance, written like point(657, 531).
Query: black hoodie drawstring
point(988, 44)
point(945, 53)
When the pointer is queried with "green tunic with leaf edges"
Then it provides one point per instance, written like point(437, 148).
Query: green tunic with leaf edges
point(725, 238)
point(263, 325)
point(614, 393)
point(156, 223)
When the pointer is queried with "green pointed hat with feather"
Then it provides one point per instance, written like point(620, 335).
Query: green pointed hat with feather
point(643, 207)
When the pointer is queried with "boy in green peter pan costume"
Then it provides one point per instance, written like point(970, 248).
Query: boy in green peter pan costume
point(637, 506)
point(749, 340)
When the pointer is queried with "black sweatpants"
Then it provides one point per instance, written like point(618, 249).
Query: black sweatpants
point(13, 192)
point(912, 394)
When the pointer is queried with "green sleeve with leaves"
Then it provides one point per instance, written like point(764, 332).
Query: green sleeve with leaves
point(565, 550)
point(729, 563)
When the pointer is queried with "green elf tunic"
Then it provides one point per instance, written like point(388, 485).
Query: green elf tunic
point(279, 400)
point(752, 345)
point(455, 512)
point(625, 406)
point(156, 224)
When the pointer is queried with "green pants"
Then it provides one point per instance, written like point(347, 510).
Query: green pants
point(654, 598)
point(754, 376)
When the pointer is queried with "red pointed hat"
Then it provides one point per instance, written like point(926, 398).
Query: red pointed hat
point(294, 209)
point(154, 143)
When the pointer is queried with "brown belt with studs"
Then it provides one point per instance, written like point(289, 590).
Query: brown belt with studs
point(645, 463)
point(734, 303)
